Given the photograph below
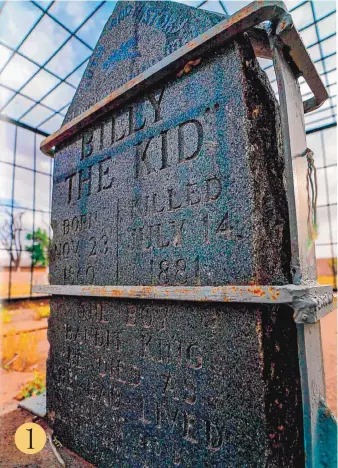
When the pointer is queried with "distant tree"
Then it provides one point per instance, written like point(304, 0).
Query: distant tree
point(10, 234)
point(39, 248)
point(333, 263)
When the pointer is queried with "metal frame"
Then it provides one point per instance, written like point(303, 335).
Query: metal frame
point(43, 66)
point(3, 118)
point(309, 300)
point(244, 20)
point(303, 254)
point(32, 208)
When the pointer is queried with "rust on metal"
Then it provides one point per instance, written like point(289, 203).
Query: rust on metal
point(242, 21)
point(258, 291)
point(290, 38)
point(316, 295)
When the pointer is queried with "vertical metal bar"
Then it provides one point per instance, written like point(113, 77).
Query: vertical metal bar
point(223, 7)
point(33, 233)
point(51, 162)
point(312, 382)
point(328, 206)
point(12, 214)
point(332, 107)
point(321, 52)
point(292, 114)
point(303, 254)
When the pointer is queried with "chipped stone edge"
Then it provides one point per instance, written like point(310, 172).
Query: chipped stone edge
point(310, 302)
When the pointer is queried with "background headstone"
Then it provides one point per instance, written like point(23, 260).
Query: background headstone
point(182, 186)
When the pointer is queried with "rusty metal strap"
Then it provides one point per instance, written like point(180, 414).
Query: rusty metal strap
point(242, 21)
point(309, 302)
point(290, 39)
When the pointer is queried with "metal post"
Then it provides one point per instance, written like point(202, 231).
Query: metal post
point(303, 254)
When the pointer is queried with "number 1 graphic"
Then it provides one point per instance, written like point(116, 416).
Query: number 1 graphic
point(30, 439)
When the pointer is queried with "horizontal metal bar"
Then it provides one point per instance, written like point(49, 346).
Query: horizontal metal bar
point(4, 118)
point(8, 205)
point(321, 129)
point(11, 163)
point(326, 244)
point(14, 299)
point(313, 298)
point(27, 330)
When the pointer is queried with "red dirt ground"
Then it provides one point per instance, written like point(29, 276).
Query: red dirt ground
point(11, 457)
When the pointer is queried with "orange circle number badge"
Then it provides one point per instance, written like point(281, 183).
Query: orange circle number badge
point(30, 438)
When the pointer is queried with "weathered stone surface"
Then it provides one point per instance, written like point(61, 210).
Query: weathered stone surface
point(138, 35)
point(159, 384)
point(182, 186)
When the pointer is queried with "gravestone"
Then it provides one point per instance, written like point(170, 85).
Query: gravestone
point(182, 186)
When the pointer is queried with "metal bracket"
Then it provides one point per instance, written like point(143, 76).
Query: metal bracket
point(243, 21)
point(290, 38)
point(312, 306)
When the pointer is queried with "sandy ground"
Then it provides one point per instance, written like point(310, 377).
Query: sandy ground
point(20, 281)
point(22, 319)
point(12, 381)
point(11, 457)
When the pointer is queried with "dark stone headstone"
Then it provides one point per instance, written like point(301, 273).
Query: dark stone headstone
point(182, 186)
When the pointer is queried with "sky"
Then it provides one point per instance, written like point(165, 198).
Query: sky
point(38, 70)
point(44, 48)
